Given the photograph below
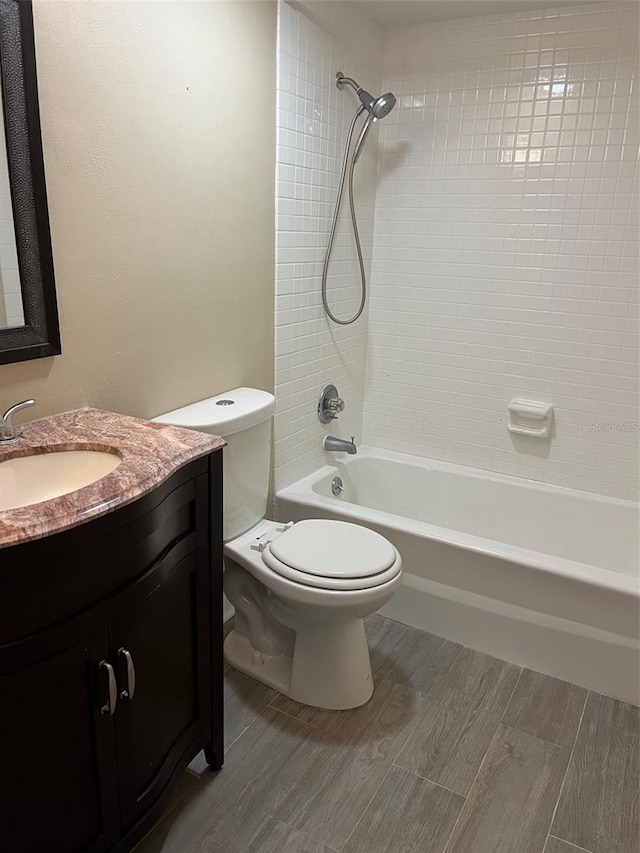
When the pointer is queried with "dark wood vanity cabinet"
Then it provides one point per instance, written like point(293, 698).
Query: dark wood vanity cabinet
point(103, 707)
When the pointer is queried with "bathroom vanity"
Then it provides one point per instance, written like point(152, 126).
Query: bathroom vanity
point(110, 635)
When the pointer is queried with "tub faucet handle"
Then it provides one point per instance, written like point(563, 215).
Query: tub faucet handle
point(335, 405)
point(329, 404)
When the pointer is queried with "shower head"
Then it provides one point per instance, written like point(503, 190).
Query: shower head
point(383, 105)
point(377, 107)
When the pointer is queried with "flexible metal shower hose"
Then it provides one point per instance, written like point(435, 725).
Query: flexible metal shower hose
point(350, 165)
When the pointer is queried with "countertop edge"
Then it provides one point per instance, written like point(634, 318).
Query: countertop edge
point(151, 452)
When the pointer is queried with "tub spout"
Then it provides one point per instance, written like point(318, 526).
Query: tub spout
point(340, 445)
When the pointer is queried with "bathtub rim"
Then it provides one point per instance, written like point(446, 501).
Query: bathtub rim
point(303, 492)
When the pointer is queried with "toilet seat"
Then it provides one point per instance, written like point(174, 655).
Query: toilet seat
point(332, 555)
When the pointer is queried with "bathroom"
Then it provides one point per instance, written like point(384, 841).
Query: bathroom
point(192, 157)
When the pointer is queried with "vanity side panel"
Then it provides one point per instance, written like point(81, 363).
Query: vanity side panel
point(215, 753)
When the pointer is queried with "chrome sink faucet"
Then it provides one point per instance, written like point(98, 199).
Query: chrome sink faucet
point(340, 445)
point(8, 433)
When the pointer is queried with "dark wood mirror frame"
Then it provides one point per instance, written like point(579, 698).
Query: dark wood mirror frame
point(40, 336)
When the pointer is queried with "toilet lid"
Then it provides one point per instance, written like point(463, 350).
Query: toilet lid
point(334, 550)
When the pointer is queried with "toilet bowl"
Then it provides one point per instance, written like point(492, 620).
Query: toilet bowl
point(299, 628)
point(300, 591)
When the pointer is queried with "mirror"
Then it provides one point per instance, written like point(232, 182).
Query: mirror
point(11, 307)
point(29, 325)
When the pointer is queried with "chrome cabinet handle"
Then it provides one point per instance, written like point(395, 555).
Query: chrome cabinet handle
point(110, 707)
point(131, 675)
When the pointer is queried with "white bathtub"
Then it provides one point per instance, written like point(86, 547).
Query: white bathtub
point(539, 575)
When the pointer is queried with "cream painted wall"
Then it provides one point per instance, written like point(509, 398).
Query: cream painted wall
point(159, 141)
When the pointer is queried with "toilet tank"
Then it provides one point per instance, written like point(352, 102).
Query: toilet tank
point(243, 418)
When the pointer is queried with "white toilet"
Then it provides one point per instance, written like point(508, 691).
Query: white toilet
point(300, 590)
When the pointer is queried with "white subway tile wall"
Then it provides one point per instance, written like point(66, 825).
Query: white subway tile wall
point(506, 244)
point(504, 260)
point(313, 118)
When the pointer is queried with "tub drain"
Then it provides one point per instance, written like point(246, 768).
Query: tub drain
point(336, 486)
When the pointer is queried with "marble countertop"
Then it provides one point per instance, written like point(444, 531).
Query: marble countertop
point(150, 452)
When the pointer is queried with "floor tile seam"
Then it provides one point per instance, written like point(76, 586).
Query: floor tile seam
point(445, 672)
point(564, 840)
point(244, 731)
point(366, 808)
point(262, 714)
point(512, 694)
point(444, 675)
point(195, 846)
point(515, 686)
point(569, 762)
point(412, 728)
point(538, 737)
point(198, 781)
point(303, 832)
point(424, 711)
point(611, 698)
point(297, 720)
point(426, 779)
point(426, 694)
point(166, 813)
point(277, 696)
point(325, 734)
point(565, 749)
point(316, 729)
point(471, 786)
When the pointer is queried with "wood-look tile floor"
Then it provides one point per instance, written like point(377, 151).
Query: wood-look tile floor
point(456, 752)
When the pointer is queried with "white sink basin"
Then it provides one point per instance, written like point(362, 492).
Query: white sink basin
point(29, 480)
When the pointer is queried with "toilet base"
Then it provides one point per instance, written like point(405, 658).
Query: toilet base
point(306, 642)
point(330, 666)
point(272, 670)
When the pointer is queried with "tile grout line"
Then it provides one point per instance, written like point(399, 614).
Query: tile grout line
point(566, 772)
point(382, 781)
point(544, 740)
point(475, 779)
point(201, 836)
point(515, 687)
point(556, 838)
point(366, 808)
point(426, 779)
point(246, 729)
point(536, 737)
point(297, 720)
point(384, 778)
point(165, 814)
point(295, 829)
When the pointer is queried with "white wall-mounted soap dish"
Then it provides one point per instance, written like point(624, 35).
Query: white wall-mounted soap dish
point(530, 417)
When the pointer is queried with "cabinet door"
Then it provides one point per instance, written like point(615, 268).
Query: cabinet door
point(163, 641)
point(58, 785)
